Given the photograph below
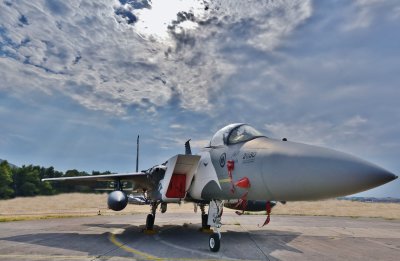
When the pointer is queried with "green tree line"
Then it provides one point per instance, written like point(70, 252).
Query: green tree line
point(26, 181)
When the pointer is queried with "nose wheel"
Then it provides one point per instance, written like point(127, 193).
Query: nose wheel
point(214, 242)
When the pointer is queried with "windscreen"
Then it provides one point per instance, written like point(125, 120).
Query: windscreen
point(243, 133)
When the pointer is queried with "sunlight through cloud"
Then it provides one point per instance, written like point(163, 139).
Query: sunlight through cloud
point(154, 22)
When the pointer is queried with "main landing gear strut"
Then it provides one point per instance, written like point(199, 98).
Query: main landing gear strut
point(213, 218)
point(150, 217)
point(204, 219)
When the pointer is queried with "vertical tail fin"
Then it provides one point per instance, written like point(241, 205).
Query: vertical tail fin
point(188, 150)
point(137, 154)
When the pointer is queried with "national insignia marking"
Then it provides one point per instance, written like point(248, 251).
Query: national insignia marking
point(222, 160)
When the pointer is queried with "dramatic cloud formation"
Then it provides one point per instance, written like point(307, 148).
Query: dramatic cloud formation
point(87, 76)
point(108, 55)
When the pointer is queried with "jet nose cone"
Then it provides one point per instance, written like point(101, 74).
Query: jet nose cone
point(386, 176)
point(349, 174)
point(374, 176)
point(295, 171)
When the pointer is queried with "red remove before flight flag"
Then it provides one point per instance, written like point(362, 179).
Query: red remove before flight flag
point(230, 165)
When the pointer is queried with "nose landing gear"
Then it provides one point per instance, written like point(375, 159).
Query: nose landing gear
point(214, 219)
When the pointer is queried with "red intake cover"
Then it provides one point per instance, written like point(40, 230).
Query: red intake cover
point(176, 188)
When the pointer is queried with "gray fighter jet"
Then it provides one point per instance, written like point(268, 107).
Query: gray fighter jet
point(244, 170)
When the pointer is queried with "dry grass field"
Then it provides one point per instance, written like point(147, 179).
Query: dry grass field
point(76, 204)
point(339, 208)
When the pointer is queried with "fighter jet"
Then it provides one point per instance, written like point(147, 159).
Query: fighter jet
point(244, 170)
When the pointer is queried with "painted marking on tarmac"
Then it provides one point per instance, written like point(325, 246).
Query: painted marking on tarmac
point(50, 257)
point(224, 181)
point(158, 238)
point(143, 255)
point(123, 246)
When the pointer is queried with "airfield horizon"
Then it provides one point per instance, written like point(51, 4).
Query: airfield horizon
point(81, 204)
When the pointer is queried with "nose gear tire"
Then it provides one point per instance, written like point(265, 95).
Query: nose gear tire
point(214, 242)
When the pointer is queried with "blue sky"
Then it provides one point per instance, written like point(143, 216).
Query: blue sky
point(80, 79)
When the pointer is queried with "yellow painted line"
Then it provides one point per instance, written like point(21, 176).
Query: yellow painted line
point(224, 180)
point(52, 257)
point(117, 243)
point(146, 256)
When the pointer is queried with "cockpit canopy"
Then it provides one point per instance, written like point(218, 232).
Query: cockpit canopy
point(233, 134)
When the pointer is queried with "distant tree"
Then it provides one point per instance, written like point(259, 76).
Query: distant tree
point(46, 188)
point(28, 189)
point(102, 184)
point(72, 173)
point(26, 181)
point(94, 173)
point(5, 181)
point(71, 186)
point(57, 187)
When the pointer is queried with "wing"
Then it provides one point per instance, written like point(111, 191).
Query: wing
point(139, 179)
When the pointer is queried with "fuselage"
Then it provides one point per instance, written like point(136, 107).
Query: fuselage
point(280, 171)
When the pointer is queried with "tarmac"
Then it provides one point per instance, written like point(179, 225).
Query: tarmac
point(178, 238)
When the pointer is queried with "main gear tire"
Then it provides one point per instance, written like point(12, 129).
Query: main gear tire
point(149, 222)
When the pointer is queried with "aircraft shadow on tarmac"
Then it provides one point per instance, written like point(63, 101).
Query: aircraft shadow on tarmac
point(171, 241)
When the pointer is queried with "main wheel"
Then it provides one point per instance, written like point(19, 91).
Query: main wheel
point(149, 222)
point(214, 242)
point(163, 207)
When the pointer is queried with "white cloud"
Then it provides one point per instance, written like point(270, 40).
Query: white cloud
point(195, 144)
point(177, 126)
point(362, 19)
point(355, 122)
point(396, 13)
point(153, 22)
point(285, 17)
point(314, 133)
point(102, 58)
point(368, 11)
point(323, 133)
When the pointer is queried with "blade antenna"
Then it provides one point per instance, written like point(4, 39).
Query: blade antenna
point(188, 150)
point(137, 154)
